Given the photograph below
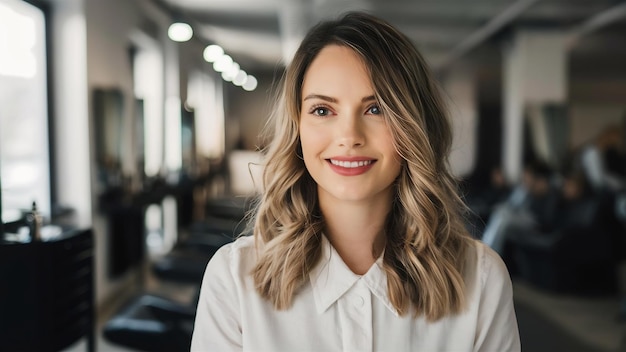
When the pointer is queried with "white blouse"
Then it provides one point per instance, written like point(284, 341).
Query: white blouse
point(338, 310)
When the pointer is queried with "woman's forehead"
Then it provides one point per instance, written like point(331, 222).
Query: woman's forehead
point(337, 71)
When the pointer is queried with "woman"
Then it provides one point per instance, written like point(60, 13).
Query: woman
point(358, 240)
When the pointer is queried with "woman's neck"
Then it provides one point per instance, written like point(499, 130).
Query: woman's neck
point(356, 231)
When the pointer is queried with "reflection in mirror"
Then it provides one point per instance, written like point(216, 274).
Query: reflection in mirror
point(188, 141)
point(108, 113)
point(139, 139)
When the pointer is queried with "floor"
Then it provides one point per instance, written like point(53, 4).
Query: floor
point(548, 322)
point(571, 323)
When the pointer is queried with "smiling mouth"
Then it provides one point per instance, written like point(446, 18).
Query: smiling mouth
point(351, 164)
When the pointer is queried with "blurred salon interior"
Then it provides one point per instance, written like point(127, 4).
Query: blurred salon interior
point(129, 153)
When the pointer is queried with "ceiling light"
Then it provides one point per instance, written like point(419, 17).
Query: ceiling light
point(230, 73)
point(251, 83)
point(223, 63)
point(180, 32)
point(241, 78)
point(212, 53)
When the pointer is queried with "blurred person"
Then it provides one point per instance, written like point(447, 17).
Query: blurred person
point(358, 238)
point(573, 207)
point(604, 162)
point(532, 204)
point(499, 185)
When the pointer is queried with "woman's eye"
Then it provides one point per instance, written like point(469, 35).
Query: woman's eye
point(374, 110)
point(320, 111)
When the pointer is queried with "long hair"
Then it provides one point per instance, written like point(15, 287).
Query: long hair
point(426, 238)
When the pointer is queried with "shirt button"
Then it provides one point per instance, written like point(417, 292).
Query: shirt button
point(359, 301)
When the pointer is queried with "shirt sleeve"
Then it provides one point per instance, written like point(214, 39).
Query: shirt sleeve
point(497, 329)
point(217, 325)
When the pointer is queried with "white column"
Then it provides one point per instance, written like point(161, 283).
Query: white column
point(72, 133)
point(534, 73)
point(172, 153)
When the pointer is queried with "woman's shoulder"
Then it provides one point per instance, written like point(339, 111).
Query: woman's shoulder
point(243, 244)
point(237, 256)
point(484, 263)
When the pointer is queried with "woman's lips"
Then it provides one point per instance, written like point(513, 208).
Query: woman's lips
point(350, 166)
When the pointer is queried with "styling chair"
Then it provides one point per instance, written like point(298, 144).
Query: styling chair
point(153, 322)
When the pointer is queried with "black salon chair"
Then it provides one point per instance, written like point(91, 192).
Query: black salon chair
point(187, 261)
point(229, 207)
point(152, 322)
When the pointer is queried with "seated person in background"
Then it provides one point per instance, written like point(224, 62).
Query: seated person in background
point(543, 196)
point(532, 204)
point(500, 189)
point(575, 191)
point(572, 209)
point(603, 160)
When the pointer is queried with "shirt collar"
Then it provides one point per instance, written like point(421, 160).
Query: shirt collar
point(331, 278)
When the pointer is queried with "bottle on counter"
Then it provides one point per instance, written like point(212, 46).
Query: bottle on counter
point(34, 221)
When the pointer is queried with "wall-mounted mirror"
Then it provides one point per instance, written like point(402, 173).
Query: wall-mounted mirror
point(139, 138)
point(188, 140)
point(109, 117)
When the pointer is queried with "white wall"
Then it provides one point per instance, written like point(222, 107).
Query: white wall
point(72, 136)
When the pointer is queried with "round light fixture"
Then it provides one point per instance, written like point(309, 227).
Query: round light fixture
point(223, 63)
point(212, 53)
point(180, 32)
point(241, 78)
point(251, 83)
point(230, 73)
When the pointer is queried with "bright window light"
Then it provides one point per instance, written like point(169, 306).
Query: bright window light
point(180, 32)
point(24, 146)
point(18, 48)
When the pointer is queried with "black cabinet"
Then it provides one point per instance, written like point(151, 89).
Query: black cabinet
point(46, 293)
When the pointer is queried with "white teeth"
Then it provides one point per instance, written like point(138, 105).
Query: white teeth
point(350, 164)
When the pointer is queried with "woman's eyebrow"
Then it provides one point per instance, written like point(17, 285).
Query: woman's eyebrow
point(370, 98)
point(333, 100)
point(322, 97)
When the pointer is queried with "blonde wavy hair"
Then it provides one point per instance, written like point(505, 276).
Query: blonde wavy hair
point(426, 236)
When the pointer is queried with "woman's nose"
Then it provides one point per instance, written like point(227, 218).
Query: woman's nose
point(350, 132)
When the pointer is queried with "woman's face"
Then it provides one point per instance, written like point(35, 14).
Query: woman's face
point(346, 144)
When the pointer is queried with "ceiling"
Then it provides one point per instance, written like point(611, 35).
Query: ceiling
point(262, 32)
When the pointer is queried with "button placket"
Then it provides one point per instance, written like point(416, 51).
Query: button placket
point(358, 334)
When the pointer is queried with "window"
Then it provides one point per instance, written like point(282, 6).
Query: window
point(24, 146)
